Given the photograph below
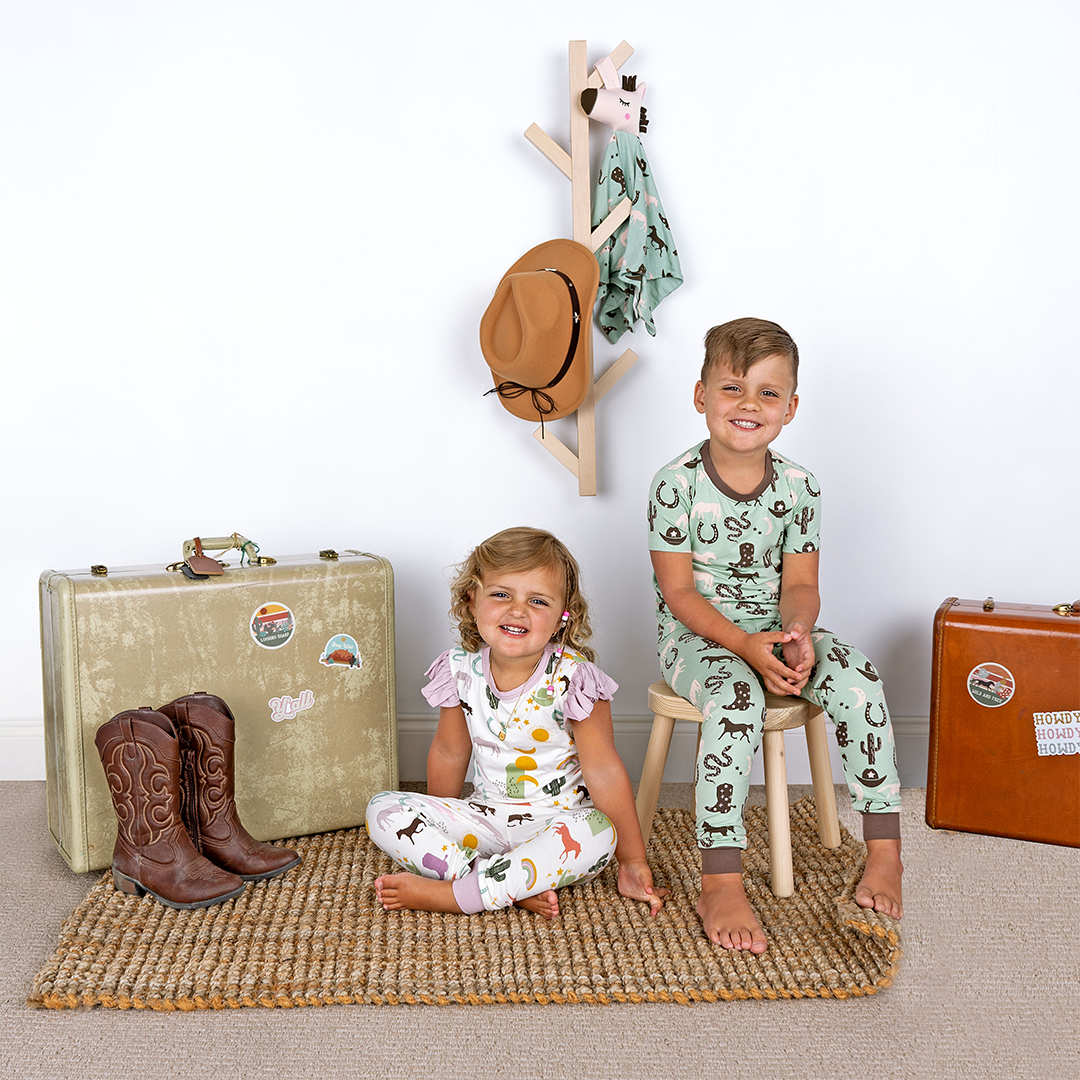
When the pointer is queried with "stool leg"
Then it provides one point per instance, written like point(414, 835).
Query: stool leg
point(777, 814)
point(817, 744)
point(652, 772)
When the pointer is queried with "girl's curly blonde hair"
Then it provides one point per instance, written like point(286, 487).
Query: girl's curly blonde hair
point(516, 551)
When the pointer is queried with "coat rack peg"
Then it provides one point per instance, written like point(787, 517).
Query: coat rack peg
point(575, 167)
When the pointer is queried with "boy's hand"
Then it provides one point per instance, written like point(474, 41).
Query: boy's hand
point(635, 883)
point(757, 651)
point(799, 652)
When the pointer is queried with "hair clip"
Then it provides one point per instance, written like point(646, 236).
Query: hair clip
point(559, 652)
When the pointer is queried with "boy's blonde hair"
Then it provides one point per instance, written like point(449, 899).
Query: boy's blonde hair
point(515, 551)
point(741, 343)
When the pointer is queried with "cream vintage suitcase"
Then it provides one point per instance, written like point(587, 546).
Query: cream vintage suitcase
point(301, 648)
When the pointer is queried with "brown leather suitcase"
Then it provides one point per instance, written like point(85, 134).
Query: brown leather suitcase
point(1005, 721)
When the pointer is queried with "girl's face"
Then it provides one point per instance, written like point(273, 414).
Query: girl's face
point(517, 613)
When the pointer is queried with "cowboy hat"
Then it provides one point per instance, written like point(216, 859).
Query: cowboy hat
point(535, 332)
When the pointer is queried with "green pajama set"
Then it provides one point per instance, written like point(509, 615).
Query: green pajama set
point(737, 544)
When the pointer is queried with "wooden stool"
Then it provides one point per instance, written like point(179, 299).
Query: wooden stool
point(782, 713)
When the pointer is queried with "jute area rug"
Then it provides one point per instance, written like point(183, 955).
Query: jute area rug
point(316, 936)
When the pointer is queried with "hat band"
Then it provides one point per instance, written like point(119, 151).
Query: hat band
point(544, 403)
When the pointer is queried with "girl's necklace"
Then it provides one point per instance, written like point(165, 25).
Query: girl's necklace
point(504, 724)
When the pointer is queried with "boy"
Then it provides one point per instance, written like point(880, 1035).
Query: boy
point(733, 535)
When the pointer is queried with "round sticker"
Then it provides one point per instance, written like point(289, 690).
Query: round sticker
point(272, 625)
point(341, 649)
point(990, 684)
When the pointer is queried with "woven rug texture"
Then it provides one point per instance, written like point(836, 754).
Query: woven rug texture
point(316, 936)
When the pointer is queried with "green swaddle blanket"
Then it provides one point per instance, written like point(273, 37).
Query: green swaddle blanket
point(639, 265)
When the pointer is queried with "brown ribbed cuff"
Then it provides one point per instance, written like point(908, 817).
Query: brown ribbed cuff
point(721, 860)
point(881, 826)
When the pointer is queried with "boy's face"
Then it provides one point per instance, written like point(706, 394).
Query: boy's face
point(745, 413)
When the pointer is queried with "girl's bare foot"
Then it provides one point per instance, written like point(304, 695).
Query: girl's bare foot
point(726, 914)
point(545, 903)
point(397, 892)
point(879, 887)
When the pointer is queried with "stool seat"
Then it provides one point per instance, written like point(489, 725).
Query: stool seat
point(781, 714)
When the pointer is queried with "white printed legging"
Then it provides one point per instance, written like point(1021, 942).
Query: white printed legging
point(494, 852)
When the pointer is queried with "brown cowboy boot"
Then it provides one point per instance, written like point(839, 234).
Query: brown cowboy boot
point(207, 735)
point(154, 854)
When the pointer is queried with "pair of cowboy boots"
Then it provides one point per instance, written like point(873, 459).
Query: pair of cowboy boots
point(171, 776)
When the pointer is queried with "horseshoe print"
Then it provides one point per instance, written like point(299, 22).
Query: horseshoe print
point(670, 505)
point(874, 723)
point(715, 533)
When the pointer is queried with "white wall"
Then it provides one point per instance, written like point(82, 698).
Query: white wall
point(246, 246)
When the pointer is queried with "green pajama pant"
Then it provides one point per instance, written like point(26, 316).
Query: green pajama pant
point(730, 696)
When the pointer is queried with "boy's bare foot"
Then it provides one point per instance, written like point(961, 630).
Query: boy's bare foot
point(545, 903)
point(726, 914)
point(411, 892)
point(879, 887)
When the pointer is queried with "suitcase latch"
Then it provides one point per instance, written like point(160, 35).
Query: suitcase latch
point(1068, 609)
point(328, 553)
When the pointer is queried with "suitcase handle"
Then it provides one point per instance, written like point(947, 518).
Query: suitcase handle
point(242, 544)
point(247, 548)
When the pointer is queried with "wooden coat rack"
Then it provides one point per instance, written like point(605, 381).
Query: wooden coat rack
point(575, 167)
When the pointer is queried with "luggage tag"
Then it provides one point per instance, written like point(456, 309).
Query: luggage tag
point(199, 567)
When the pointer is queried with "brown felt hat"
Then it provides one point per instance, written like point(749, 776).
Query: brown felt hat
point(535, 332)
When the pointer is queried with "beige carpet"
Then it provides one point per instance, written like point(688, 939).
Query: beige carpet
point(989, 985)
point(316, 936)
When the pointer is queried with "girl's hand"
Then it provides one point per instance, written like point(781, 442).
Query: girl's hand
point(635, 883)
point(757, 651)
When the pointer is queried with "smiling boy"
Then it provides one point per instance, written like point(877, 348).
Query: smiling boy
point(733, 535)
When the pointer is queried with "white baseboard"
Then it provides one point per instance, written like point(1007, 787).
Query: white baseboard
point(22, 750)
point(912, 735)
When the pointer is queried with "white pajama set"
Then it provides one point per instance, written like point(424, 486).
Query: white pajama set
point(529, 825)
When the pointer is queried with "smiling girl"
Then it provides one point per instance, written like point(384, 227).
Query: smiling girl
point(522, 700)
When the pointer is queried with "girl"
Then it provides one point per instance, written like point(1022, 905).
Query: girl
point(523, 701)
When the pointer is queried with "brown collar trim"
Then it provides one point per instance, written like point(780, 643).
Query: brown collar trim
point(725, 489)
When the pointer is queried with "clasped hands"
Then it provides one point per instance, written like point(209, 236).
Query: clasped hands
point(784, 677)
